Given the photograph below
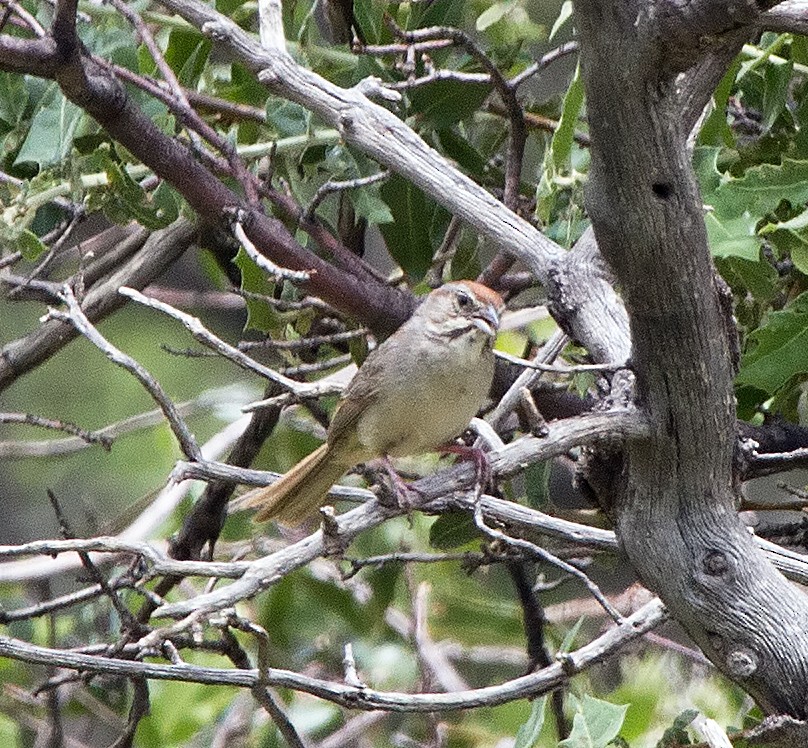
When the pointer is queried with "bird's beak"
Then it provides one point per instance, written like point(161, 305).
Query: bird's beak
point(487, 320)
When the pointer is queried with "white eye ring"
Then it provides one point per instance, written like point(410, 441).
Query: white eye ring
point(464, 300)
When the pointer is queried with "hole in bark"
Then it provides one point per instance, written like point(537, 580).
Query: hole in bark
point(742, 663)
point(662, 190)
point(715, 564)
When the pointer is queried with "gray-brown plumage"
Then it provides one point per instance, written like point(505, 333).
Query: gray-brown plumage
point(415, 392)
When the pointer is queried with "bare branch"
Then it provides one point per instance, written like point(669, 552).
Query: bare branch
point(83, 436)
point(151, 518)
point(204, 336)
point(646, 619)
point(56, 447)
point(78, 319)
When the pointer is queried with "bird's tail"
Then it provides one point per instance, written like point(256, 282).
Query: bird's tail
point(301, 491)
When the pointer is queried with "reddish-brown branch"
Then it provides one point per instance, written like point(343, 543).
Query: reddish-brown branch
point(91, 85)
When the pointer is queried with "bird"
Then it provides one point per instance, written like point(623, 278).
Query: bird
point(414, 393)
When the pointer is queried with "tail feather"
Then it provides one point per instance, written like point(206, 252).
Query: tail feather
point(301, 491)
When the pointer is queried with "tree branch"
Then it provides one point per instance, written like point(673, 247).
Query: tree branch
point(674, 497)
point(357, 697)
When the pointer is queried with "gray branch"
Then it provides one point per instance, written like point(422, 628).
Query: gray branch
point(356, 697)
point(673, 498)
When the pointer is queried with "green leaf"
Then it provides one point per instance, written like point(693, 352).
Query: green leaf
point(790, 238)
point(595, 724)
point(529, 732)
point(756, 277)
point(369, 17)
point(562, 141)
point(369, 205)
point(452, 530)
point(732, 237)
point(13, 97)
point(382, 580)
point(676, 735)
point(260, 315)
point(30, 245)
point(775, 95)
point(444, 103)
point(563, 16)
point(780, 349)
point(705, 164)
point(180, 710)
point(537, 484)
point(10, 732)
point(736, 205)
point(494, 13)
point(458, 148)
point(228, 7)
point(799, 256)
point(716, 129)
point(569, 637)
point(409, 236)
point(186, 53)
point(50, 137)
point(762, 188)
point(797, 223)
point(123, 199)
point(286, 117)
point(438, 13)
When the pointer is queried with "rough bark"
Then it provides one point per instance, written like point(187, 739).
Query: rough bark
point(674, 503)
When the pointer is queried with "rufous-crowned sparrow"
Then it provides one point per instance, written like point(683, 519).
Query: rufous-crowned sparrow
point(415, 392)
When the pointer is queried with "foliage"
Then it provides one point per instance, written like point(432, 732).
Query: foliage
point(752, 164)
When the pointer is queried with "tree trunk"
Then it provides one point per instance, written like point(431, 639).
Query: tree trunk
point(675, 500)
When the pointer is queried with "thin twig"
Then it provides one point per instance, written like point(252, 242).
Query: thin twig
point(144, 525)
point(261, 692)
point(77, 318)
point(440, 74)
point(507, 92)
point(9, 259)
point(310, 342)
point(106, 435)
point(550, 558)
point(379, 50)
point(547, 353)
point(128, 621)
point(26, 17)
point(298, 276)
point(156, 562)
point(29, 419)
point(304, 370)
point(75, 219)
point(556, 368)
point(467, 558)
point(324, 190)
point(562, 50)
point(206, 337)
point(61, 602)
point(647, 618)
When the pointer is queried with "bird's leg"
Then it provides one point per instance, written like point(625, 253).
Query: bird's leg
point(482, 465)
point(399, 491)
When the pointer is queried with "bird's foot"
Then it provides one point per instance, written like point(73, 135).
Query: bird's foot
point(482, 465)
point(397, 493)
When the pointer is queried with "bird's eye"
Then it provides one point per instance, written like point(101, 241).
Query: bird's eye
point(464, 301)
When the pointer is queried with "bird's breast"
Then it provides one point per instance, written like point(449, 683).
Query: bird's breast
point(431, 398)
